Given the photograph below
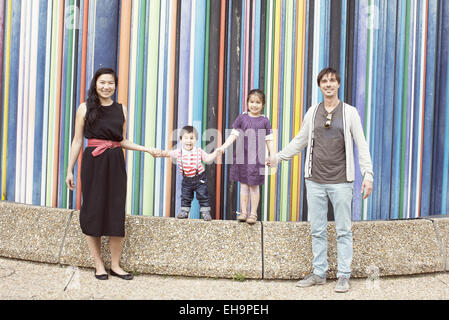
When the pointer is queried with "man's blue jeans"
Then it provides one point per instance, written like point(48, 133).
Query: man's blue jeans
point(341, 197)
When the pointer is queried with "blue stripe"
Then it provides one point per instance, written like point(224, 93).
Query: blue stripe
point(198, 83)
point(13, 100)
point(429, 110)
point(40, 88)
point(183, 97)
point(344, 16)
point(445, 109)
point(227, 122)
point(257, 44)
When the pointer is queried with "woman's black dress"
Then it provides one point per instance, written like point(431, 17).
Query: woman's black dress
point(103, 178)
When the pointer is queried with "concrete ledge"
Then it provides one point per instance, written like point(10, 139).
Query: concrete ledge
point(224, 249)
point(287, 250)
point(442, 232)
point(396, 247)
point(170, 246)
point(385, 247)
point(32, 233)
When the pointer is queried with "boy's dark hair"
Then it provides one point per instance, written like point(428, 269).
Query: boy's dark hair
point(327, 71)
point(257, 92)
point(188, 129)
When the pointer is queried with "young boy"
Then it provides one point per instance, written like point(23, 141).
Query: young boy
point(194, 179)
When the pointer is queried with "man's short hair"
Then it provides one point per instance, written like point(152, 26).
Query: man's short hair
point(188, 129)
point(327, 71)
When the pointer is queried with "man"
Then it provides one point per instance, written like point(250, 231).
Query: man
point(328, 131)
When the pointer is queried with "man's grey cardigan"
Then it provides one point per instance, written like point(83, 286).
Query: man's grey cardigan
point(353, 131)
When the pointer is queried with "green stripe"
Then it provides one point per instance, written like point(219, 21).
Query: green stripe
point(151, 104)
point(51, 111)
point(206, 71)
point(138, 113)
point(68, 104)
point(287, 108)
point(268, 70)
point(368, 64)
point(404, 108)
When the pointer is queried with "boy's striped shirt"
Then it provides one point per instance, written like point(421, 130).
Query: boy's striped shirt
point(190, 161)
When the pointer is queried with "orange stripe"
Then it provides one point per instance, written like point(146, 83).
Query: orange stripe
point(301, 109)
point(220, 105)
point(54, 197)
point(82, 93)
point(293, 199)
point(123, 71)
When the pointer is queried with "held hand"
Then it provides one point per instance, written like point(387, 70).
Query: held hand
point(271, 161)
point(154, 152)
point(367, 188)
point(150, 150)
point(220, 151)
point(158, 153)
point(69, 181)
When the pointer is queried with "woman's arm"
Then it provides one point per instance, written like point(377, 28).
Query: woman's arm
point(77, 144)
point(129, 145)
point(163, 153)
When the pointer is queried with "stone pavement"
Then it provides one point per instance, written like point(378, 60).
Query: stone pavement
point(24, 280)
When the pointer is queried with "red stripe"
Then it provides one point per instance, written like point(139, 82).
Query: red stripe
point(220, 104)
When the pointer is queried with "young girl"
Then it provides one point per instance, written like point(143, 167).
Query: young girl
point(253, 131)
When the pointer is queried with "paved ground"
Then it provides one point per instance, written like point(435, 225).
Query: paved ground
point(23, 280)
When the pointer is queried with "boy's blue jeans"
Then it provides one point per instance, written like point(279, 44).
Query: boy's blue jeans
point(341, 197)
point(196, 184)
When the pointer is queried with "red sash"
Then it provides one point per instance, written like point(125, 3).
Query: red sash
point(101, 145)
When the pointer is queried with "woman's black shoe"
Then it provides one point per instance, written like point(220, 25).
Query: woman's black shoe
point(101, 276)
point(127, 276)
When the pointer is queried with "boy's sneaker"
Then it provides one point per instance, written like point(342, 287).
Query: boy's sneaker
point(311, 280)
point(182, 215)
point(342, 284)
point(206, 216)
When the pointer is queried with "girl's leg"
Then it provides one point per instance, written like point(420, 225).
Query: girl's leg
point(94, 244)
point(255, 197)
point(116, 246)
point(244, 195)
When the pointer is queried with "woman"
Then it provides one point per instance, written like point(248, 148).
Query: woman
point(103, 175)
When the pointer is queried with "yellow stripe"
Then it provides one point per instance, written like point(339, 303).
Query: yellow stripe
point(6, 95)
point(275, 100)
point(299, 87)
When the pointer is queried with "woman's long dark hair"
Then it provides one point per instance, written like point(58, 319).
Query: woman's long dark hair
point(93, 102)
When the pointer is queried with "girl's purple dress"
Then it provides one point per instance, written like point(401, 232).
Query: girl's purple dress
point(248, 165)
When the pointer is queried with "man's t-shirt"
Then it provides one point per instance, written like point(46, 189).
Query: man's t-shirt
point(329, 154)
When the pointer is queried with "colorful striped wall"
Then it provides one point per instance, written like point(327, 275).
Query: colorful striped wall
point(193, 62)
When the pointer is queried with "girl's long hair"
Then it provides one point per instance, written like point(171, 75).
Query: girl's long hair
point(93, 102)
